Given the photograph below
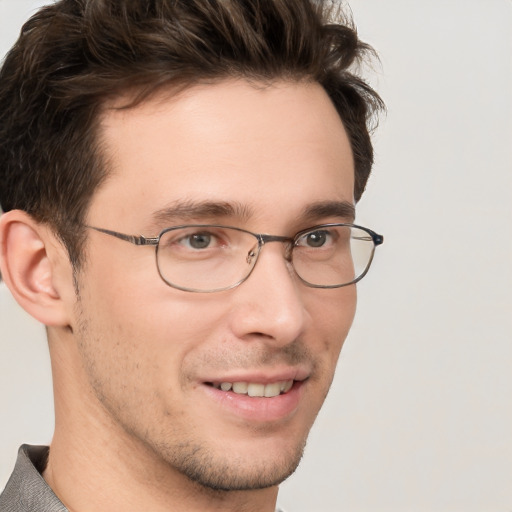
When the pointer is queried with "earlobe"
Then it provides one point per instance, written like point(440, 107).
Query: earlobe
point(28, 268)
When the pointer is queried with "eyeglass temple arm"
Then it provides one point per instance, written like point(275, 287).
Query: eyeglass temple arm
point(377, 239)
point(137, 240)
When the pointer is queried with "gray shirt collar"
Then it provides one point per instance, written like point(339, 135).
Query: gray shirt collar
point(26, 490)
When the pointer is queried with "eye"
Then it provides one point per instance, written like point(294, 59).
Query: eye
point(315, 239)
point(198, 240)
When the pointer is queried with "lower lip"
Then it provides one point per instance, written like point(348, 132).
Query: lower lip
point(258, 409)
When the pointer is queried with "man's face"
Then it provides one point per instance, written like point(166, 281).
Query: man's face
point(154, 356)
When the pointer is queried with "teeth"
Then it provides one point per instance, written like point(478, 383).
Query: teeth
point(287, 386)
point(240, 387)
point(272, 390)
point(255, 389)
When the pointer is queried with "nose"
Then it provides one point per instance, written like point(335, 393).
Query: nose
point(269, 304)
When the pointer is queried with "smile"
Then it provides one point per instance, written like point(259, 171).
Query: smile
point(254, 389)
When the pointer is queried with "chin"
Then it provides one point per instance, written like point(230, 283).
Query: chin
point(243, 475)
point(234, 468)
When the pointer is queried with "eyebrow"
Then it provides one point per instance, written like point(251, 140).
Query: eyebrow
point(203, 211)
point(186, 211)
point(320, 211)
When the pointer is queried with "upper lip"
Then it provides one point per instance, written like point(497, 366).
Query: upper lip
point(261, 376)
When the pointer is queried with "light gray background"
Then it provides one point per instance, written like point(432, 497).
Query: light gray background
point(420, 415)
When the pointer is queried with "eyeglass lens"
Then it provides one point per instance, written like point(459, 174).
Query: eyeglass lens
point(212, 258)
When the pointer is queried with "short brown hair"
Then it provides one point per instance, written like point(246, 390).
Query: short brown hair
point(73, 55)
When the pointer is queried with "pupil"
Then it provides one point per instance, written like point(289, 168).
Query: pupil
point(200, 241)
point(316, 239)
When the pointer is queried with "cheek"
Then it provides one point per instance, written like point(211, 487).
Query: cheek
point(332, 315)
point(153, 327)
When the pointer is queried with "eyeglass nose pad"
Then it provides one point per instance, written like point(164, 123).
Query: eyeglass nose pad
point(250, 255)
point(288, 249)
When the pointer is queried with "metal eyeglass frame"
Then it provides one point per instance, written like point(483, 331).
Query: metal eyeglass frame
point(261, 239)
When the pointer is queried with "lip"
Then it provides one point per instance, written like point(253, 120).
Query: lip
point(262, 377)
point(258, 409)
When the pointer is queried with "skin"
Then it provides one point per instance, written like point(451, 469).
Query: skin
point(136, 422)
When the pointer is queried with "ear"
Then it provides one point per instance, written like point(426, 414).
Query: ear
point(35, 268)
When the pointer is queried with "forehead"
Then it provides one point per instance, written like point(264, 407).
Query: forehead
point(271, 149)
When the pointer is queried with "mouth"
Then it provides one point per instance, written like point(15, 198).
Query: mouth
point(255, 389)
point(258, 397)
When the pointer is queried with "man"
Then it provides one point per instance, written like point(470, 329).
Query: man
point(179, 181)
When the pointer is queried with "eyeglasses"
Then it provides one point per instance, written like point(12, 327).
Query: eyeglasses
point(212, 258)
